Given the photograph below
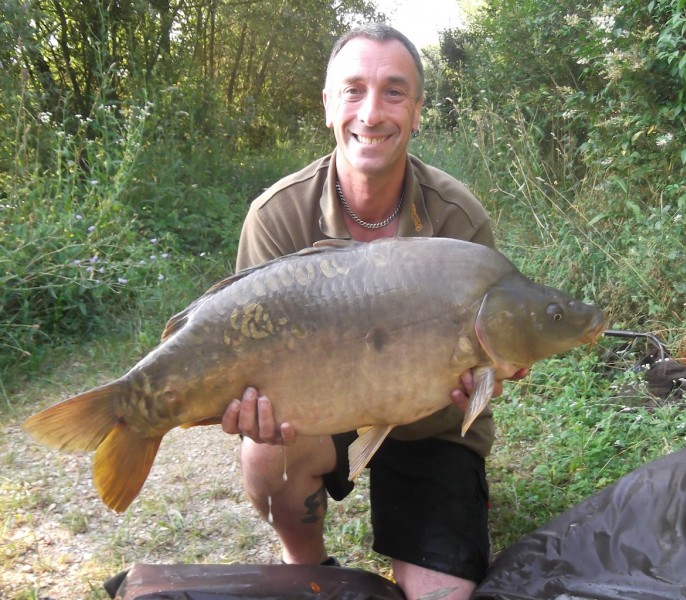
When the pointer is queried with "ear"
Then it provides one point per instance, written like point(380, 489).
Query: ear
point(417, 113)
point(328, 109)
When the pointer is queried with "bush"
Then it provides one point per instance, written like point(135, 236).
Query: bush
point(71, 250)
point(604, 85)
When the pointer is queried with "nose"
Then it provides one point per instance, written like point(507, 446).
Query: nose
point(371, 109)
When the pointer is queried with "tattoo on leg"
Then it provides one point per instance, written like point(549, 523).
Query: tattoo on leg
point(315, 506)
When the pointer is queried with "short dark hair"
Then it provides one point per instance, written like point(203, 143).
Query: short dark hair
point(381, 33)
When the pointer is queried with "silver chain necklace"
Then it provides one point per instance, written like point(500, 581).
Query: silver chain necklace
point(366, 224)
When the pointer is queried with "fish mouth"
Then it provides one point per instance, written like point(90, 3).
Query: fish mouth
point(595, 332)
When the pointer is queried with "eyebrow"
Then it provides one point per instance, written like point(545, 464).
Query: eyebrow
point(392, 80)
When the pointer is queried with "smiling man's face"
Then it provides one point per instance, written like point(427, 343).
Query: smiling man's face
point(372, 106)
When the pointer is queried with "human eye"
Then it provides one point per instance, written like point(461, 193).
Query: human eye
point(395, 94)
point(351, 93)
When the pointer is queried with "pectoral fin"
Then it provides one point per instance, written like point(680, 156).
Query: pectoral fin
point(363, 448)
point(484, 382)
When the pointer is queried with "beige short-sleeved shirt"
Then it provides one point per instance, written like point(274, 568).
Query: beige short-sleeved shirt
point(303, 208)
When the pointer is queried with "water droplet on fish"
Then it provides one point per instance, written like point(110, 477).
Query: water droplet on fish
point(270, 516)
point(285, 465)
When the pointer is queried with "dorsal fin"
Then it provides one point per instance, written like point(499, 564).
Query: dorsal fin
point(179, 320)
point(336, 243)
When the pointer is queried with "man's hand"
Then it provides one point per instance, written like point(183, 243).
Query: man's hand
point(460, 397)
point(253, 417)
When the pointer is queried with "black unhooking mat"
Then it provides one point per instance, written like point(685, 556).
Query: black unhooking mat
point(627, 542)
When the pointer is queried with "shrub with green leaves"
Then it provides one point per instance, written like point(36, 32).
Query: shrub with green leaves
point(606, 81)
point(572, 117)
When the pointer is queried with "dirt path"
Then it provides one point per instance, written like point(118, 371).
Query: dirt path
point(60, 542)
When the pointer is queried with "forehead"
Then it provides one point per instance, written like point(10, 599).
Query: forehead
point(362, 59)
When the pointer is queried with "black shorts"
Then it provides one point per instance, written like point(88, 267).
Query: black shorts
point(429, 503)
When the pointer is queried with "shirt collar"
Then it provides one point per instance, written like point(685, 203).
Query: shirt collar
point(413, 219)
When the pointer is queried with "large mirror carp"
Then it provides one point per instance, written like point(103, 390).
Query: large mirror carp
point(342, 336)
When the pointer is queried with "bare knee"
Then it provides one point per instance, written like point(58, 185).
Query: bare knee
point(268, 469)
point(417, 581)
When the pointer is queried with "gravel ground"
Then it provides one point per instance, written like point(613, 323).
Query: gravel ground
point(60, 542)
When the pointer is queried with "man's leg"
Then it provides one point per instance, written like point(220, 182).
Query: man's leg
point(429, 503)
point(417, 581)
point(297, 503)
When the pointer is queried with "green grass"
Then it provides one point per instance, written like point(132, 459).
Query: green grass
point(565, 433)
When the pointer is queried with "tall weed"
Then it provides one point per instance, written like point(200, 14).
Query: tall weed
point(587, 234)
point(73, 254)
point(133, 210)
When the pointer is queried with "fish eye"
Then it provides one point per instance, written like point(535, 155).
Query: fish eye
point(555, 312)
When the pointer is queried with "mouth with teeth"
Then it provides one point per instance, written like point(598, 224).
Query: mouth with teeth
point(372, 141)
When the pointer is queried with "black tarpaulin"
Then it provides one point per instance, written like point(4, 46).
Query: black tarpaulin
point(627, 542)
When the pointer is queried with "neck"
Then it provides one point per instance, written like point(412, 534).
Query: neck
point(372, 196)
point(370, 201)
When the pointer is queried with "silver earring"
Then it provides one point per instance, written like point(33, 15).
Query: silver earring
point(415, 133)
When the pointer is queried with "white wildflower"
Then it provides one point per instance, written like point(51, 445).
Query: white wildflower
point(664, 140)
point(605, 23)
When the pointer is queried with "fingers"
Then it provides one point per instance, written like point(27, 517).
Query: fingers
point(497, 388)
point(253, 417)
point(287, 434)
point(521, 374)
point(460, 399)
point(230, 417)
point(460, 396)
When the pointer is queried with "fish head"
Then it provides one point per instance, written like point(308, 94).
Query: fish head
point(521, 322)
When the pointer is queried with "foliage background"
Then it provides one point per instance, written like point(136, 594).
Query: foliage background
point(133, 135)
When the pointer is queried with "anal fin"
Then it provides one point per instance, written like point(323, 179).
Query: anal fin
point(363, 448)
point(484, 382)
point(209, 421)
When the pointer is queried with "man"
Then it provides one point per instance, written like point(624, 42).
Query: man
point(427, 484)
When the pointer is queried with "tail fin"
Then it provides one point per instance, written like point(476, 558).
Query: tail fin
point(121, 466)
point(80, 423)
point(89, 421)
